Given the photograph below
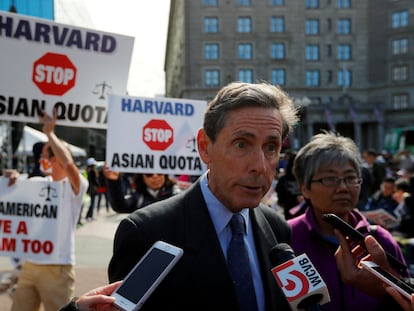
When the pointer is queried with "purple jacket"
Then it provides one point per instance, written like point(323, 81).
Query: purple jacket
point(306, 238)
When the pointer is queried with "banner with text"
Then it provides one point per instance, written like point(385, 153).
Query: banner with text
point(154, 135)
point(29, 218)
point(46, 65)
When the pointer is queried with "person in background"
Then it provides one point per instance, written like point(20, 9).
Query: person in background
point(102, 190)
point(328, 170)
point(220, 217)
point(37, 152)
point(287, 189)
point(148, 188)
point(377, 169)
point(93, 186)
point(51, 282)
point(383, 198)
point(404, 211)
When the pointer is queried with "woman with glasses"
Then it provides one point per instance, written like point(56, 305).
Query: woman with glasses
point(328, 170)
point(148, 188)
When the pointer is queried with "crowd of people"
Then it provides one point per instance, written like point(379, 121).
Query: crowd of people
point(240, 141)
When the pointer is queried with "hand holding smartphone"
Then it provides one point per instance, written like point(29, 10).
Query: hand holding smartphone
point(402, 287)
point(359, 238)
point(147, 274)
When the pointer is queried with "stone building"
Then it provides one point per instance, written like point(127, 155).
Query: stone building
point(348, 64)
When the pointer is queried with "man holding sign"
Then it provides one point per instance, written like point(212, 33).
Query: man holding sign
point(51, 281)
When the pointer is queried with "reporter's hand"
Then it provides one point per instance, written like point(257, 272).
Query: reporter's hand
point(350, 269)
point(98, 299)
point(402, 301)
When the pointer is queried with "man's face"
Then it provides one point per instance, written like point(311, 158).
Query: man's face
point(243, 159)
point(387, 188)
point(46, 161)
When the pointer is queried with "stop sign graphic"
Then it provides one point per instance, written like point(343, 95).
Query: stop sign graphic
point(54, 74)
point(158, 134)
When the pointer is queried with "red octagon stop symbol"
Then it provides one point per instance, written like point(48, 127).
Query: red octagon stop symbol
point(54, 74)
point(158, 134)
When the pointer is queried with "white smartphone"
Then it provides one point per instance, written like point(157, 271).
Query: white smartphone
point(142, 280)
point(402, 287)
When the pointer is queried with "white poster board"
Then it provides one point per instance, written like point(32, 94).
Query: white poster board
point(154, 135)
point(46, 64)
point(29, 218)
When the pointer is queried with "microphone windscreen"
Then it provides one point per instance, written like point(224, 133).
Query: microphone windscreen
point(281, 253)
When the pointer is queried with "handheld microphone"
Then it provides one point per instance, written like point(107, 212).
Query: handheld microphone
point(300, 282)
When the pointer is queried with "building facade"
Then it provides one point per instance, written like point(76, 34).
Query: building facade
point(348, 64)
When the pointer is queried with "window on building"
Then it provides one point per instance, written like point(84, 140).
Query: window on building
point(344, 26)
point(278, 76)
point(211, 51)
point(278, 51)
point(244, 2)
point(344, 52)
point(212, 77)
point(328, 50)
point(245, 51)
point(277, 2)
point(244, 24)
point(344, 78)
point(277, 24)
point(312, 4)
point(400, 73)
point(312, 52)
point(344, 4)
point(329, 76)
point(329, 24)
point(246, 75)
point(312, 26)
point(400, 101)
point(399, 19)
point(211, 24)
point(313, 78)
point(210, 2)
point(400, 46)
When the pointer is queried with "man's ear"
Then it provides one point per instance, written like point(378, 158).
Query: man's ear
point(203, 144)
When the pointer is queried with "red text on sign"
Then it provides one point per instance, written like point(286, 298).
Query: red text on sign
point(5, 226)
point(36, 246)
point(8, 245)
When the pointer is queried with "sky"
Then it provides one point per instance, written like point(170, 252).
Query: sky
point(146, 21)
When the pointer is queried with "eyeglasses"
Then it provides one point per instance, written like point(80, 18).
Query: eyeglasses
point(333, 181)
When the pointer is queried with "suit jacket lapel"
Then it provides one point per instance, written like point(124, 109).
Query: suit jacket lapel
point(209, 263)
point(265, 240)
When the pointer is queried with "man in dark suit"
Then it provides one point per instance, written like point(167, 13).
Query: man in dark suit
point(240, 142)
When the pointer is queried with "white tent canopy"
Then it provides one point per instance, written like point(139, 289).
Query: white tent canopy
point(32, 136)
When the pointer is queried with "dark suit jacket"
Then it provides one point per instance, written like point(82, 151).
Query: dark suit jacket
point(200, 280)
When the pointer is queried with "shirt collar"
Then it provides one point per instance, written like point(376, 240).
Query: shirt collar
point(220, 215)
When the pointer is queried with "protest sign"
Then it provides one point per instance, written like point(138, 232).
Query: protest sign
point(29, 219)
point(48, 65)
point(154, 135)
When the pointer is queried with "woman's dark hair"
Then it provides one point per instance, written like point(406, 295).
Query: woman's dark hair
point(141, 187)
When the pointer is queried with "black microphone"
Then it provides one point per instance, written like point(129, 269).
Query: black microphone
point(300, 282)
